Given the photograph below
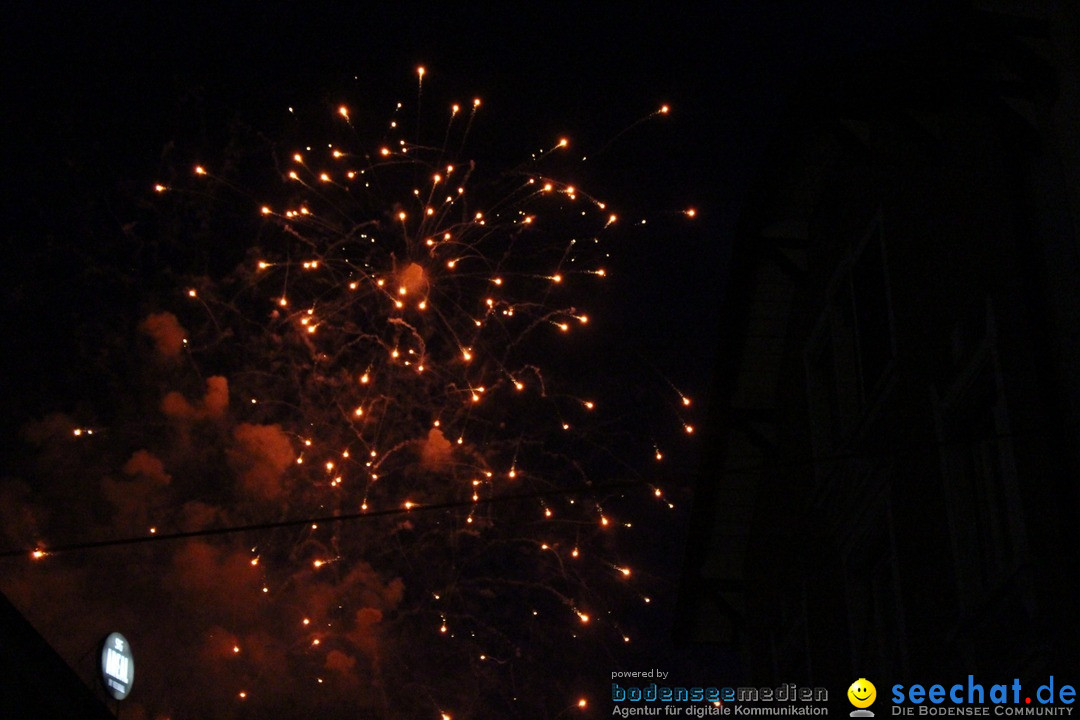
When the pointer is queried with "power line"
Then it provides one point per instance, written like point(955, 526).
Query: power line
point(326, 519)
point(754, 465)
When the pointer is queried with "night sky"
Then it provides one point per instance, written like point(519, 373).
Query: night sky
point(102, 103)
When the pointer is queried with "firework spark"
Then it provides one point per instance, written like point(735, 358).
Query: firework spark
point(400, 342)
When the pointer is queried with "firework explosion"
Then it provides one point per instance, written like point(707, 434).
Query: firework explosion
point(391, 384)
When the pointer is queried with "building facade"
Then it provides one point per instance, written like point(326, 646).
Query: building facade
point(896, 424)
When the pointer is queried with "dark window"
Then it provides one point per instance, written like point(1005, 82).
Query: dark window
point(872, 315)
point(790, 641)
point(875, 614)
point(851, 350)
point(979, 472)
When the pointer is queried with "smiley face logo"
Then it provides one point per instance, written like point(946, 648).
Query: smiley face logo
point(862, 693)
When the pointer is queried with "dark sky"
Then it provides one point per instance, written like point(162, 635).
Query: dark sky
point(95, 94)
point(101, 101)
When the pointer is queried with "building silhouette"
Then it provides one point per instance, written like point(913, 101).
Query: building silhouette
point(35, 682)
point(892, 489)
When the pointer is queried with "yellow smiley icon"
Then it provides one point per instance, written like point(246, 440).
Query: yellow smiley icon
point(862, 693)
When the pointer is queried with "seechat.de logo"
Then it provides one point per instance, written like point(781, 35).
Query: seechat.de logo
point(862, 694)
